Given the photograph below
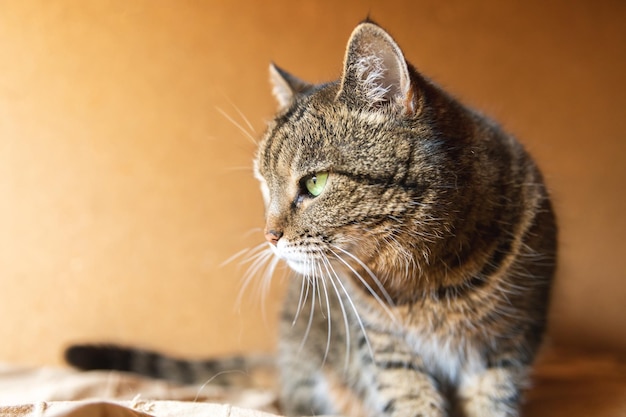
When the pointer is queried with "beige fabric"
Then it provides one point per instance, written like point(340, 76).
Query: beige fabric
point(127, 409)
point(53, 392)
point(565, 385)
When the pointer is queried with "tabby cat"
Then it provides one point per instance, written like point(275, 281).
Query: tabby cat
point(422, 239)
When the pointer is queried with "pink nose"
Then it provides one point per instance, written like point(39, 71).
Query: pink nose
point(272, 236)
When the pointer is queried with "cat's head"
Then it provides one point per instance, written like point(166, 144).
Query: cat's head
point(354, 173)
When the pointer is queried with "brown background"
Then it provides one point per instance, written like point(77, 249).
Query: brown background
point(124, 186)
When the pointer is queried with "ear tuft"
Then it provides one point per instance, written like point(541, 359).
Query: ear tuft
point(285, 86)
point(375, 71)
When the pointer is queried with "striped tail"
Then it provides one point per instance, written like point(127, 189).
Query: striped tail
point(246, 371)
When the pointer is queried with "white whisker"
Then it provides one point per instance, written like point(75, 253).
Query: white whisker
point(208, 381)
point(365, 283)
point(248, 169)
point(310, 323)
point(328, 314)
point(356, 313)
point(258, 248)
point(303, 295)
point(247, 134)
point(265, 284)
point(235, 256)
point(243, 116)
point(346, 322)
point(319, 295)
point(259, 257)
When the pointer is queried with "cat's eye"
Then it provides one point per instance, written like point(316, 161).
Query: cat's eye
point(315, 184)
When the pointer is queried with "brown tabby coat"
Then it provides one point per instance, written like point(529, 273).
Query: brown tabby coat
point(434, 228)
point(423, 265)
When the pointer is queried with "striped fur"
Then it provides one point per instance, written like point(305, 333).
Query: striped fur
point(423, 268)
point(227, 371)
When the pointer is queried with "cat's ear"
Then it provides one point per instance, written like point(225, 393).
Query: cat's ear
point(375, 71)
point(285, 86)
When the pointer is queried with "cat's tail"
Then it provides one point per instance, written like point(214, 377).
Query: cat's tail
point(239, 370)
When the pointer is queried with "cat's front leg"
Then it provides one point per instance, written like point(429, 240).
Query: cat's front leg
point(403, 391)
point(494, 392)
point(400, 385)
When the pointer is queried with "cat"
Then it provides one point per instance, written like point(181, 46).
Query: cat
point(422, 241)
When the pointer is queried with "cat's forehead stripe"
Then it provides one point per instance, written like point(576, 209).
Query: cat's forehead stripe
point(279, 134)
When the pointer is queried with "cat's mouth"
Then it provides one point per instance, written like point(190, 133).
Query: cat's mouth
point(301, 263)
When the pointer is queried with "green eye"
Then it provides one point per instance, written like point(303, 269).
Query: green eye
point(315, 183)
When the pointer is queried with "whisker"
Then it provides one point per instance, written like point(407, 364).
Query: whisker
point(208, 381)
point(310, 323)
point(243, 252)
point(259, 258)
point(346, 322)
point(239, 168)
point(367, 286)
point(247, 134)
point(251, 274)
point(235, 256)
point(253, 231)
point(319, 295)
point(328, 314)
point(369, 272)
point(265, 285)
point(302, 298)
point(243, 116)
point(356, 313)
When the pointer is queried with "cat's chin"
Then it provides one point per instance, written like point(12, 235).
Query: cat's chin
point(299, 263)
point(302, 268)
